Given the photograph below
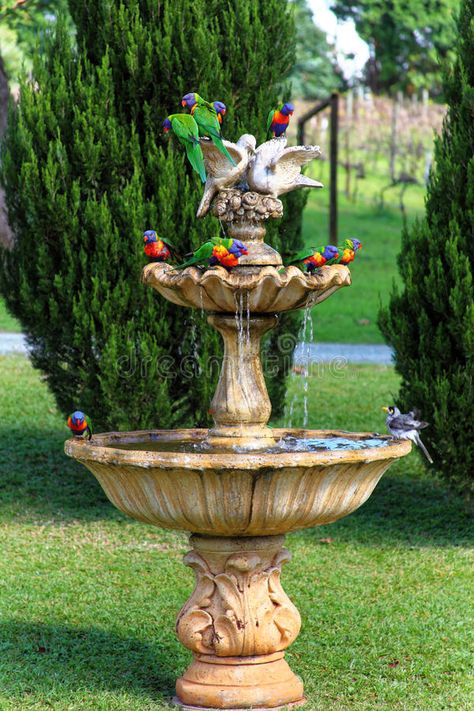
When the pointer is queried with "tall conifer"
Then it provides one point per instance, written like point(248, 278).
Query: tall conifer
point(87, 169)
point(431, 322)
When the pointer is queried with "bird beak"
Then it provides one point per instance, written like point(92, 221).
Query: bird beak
point(183, 103)
point(385, 409)
point(165, 130)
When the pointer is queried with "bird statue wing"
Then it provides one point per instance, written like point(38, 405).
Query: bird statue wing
point(221, 173)
point(217, 165)
point(292, 159)
point(276, 169)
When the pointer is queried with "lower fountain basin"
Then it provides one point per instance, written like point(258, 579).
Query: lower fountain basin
point(151, 477)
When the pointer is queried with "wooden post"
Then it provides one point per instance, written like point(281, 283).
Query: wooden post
point(333, 168)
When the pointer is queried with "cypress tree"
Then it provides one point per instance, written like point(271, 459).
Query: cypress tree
point(431, 322)
point(86, 169)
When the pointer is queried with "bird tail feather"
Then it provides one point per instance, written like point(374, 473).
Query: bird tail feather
point(423, 448)
point(196, 159)
point(217, 141)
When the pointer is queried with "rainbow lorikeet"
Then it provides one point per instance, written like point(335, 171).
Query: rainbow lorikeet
point(155, 248)
point(311, 259)
point(205, 116)
point(227, 253)
point(278, 120)
point(220, 109)
point(217, 251)
point(80, 425)
point(186, 131)
point(353, 243)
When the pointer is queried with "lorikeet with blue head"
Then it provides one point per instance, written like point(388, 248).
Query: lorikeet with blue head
point(220, 109)
point(80, 425)
point(226, 252)
point(205, 116)
point(158, 250)
point(311, 259)
point(186, 131)
point(278, 120)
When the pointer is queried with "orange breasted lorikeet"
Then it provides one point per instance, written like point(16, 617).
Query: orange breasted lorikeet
point(155, 248)
point(186, 131)
point(311, 259)
point(80, 425)
point(278, 120)
point(205, 116)
point(226, 252)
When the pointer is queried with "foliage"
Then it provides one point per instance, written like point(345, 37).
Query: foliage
point(406, 40)
point(431, 322)
point(86, 169)
point(314, 75)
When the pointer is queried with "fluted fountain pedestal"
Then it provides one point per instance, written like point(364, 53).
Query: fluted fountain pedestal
point(237, 623)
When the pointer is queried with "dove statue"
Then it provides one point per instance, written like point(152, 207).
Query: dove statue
point(276, 169)
point(220, 172)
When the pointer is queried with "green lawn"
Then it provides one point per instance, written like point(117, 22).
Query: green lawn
point(88, 598)
point(351, 315)
point(7, 322)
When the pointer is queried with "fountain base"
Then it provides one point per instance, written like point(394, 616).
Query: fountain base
point(264, 682)
point(237, 622)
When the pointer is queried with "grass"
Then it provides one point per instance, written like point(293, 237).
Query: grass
point(88, 598)
point(7, 322)
point(351, 315)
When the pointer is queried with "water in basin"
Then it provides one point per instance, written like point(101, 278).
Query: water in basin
point(286, 444)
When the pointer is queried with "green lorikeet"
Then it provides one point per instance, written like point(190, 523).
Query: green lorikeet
point(186, 131)
point(207, 120)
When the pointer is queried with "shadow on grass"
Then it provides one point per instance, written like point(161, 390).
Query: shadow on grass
point(56, 660)
point(37, 480)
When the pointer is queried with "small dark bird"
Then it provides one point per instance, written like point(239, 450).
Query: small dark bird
point(406, 427)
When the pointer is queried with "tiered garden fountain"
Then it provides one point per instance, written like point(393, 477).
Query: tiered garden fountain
point(239, 487)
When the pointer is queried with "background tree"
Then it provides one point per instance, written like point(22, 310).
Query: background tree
point(406, 40)
point(431, 322)
point(315, 73)
point(87, 169)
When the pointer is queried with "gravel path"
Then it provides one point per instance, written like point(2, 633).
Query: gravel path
point(314, 352)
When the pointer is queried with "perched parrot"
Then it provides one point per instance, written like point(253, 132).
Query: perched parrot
point(220, 109)
point(205, 116)
point(311, 259)
point(186, 131)
point(155, 248)
point(227, 253)
point(80, 425)
point(217, 251)
point(278, 120)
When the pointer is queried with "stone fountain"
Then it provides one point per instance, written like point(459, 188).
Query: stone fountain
point(240, 486)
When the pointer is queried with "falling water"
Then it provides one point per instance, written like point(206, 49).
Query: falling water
point(306, 336)
point(308, 340)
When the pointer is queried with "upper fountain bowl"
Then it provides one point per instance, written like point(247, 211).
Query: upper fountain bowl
point(256, 289)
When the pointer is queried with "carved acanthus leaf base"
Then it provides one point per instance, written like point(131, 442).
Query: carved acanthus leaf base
point(237, 622)
point(238, 607)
